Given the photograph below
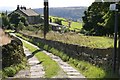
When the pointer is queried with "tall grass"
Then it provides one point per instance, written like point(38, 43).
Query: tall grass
point(13, 69)
point(72, 38)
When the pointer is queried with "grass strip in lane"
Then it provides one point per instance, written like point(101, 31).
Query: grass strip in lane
point(50, 66)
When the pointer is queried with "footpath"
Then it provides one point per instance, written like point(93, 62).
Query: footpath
point(37, 71)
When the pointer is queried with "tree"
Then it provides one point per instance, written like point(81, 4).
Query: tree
point(24, 20)
point(17, 19)
point(5, 20)
point(98, 19)
point(20, 26)
point(92, 17)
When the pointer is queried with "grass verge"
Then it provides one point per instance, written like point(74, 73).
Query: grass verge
point(83, 67)
point(13, 69)
point(50, 66)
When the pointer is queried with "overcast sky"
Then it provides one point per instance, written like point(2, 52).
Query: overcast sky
point(12, 4)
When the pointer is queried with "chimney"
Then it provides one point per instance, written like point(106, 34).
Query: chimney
point(18, 7)
point(24, 8)
point(21, 7)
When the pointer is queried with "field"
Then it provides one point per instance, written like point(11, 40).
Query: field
point(72, 38)
point(4, 39)
point(53, 17)
point(74, 25)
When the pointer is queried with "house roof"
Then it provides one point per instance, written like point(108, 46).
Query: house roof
point(29, 12)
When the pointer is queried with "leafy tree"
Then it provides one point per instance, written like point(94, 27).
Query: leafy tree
point(98, 19)
point(24, 20)
point(5, 20)
point(17, 19)
point(21, 25)
point(92, 17)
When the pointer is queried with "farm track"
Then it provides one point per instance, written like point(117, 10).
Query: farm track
point(70, 71)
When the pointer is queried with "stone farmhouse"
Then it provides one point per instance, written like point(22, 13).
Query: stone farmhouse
point(30, 14)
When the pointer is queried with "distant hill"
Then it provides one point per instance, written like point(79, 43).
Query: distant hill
point(74, 13)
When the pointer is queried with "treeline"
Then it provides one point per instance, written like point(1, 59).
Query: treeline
point(16, 21)
point(99, 20)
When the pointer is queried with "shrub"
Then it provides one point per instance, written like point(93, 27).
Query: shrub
point(13, 58)
point(65, 57)
point(12, 53)
point(30, 28)
point(46, 47)
point(70, 60)
point(60, 54)
point(21, 26)
point(75, 62)
point(9, 71)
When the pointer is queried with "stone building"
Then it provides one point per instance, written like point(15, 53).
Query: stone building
point(30, 14)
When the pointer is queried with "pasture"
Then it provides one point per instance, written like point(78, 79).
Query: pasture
point(77, 26)
point(73, 38)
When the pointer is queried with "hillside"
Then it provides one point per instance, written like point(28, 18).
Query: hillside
point(74, 13)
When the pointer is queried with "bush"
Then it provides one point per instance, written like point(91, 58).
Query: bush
point(65, 57)
point(75, 62)
point(9, 71)
point(30, 28)
point(13, 58)
point(21, 26)
point(46, 47)
point(61, 54)
point(12, 53)
point(70, 60)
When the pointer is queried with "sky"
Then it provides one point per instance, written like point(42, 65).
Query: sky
point(12, 4)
